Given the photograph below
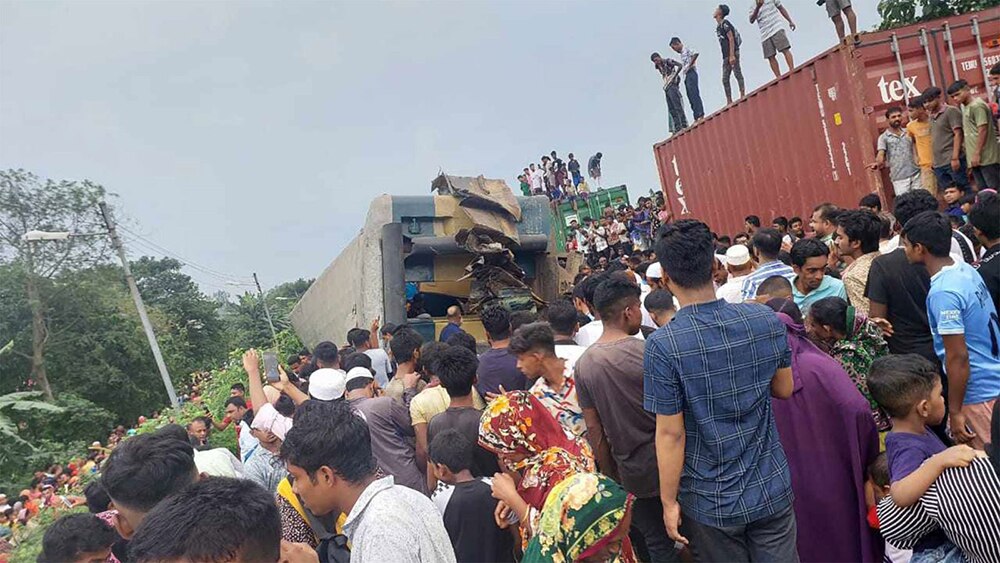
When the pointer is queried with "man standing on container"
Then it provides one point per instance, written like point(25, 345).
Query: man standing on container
point(896, 148)
point(767, 15)
point(834, 8)
point(981, 146)
point(537, 180)
point(946, 139)
point(670, 70)
point(919, 130)
point(729, 40)
point(594, 168)
point(688, 60)
point(574, 169)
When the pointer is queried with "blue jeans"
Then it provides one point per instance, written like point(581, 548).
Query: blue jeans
point(694, 96)
point(948, 177)
point(944, 553)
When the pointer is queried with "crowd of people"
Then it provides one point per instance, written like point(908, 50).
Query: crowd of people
point(791, 394)
point(559, 180)
point(771, 17)
point(619, 232)
point(809, 390)
point(941, 145)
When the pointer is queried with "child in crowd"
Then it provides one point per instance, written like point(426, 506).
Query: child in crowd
point(468, 505)
point(952, 196)
point(878, 484)
point(77, 538)
point(774, 287)
point(660, 304)
point(908, 387)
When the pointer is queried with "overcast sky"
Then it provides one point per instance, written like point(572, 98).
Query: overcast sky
point(251, 136)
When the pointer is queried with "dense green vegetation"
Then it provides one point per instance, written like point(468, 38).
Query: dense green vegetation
point(897, 13)
point(70, 334)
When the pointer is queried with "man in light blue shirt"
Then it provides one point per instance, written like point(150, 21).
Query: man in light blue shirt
point(809, 259)
point(964, 325)
point(766, 247)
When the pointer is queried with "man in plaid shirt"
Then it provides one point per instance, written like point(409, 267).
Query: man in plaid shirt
point(709, 376)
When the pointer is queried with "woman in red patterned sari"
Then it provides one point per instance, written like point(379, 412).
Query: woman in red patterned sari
point(536, 452)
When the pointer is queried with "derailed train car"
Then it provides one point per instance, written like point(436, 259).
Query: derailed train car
point(470, 244)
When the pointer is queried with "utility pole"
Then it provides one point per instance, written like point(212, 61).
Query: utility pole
point(146, 325)
point(267, 312)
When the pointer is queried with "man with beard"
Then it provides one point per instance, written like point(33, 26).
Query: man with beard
point(895, 150)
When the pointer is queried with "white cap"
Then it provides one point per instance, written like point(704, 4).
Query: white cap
point(737, 255)
point(327, 384)
point(358, 372)
point(654, 271)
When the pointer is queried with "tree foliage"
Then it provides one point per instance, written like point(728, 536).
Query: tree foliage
point(246, 319)
point(27, 204)
point(897, 13)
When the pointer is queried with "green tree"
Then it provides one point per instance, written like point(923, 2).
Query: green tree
point(193, 322)
point(246, 320)
point(30, 204)
point(897, 13)
point(23, 402)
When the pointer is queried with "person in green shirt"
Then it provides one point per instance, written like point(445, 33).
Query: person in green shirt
point(982, 150)
point(525, 186)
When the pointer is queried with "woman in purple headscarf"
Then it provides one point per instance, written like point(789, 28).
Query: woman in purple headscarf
point(829, 436)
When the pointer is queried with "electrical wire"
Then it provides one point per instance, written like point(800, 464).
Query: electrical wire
point(144, 243)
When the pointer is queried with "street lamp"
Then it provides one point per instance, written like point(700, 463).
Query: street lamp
point(32, 236)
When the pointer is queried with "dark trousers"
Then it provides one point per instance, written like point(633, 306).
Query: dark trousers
point(948, 177)
point(987, 176)
point(647, 521)
point(694, 96)
point(768, 539)
point(675, 106)
point(727, 71)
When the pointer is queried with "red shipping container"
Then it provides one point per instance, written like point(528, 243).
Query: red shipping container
point(807, 137)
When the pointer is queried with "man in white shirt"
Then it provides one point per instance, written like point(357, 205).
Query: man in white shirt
point(561, 316)
point(767, 15)
point(600, 239)
point(739, 265)
point(690, 73)
point(536, 179)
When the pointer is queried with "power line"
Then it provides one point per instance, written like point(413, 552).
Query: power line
point(149, 245)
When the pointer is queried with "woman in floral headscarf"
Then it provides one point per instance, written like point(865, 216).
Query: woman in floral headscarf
point(529, 441)
point(586, 518)
point(853, 340)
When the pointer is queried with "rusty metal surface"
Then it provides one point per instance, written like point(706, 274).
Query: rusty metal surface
point(805, 138)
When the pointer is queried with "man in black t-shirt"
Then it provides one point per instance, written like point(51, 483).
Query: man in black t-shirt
point(897, 291)
point(729, 40)
point(985, 220)
point(670, 70)
point(456, 370)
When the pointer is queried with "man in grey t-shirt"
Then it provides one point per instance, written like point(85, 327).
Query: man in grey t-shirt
point(609, 388)
point(946, 140)
point(895, 149)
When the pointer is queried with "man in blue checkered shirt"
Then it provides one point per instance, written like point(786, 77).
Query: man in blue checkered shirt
point(709, 376)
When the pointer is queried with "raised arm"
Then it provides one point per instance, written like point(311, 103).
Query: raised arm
point(756, 11)
point(251, 363)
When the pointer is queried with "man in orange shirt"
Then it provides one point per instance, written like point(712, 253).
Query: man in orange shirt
point(919, 129)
